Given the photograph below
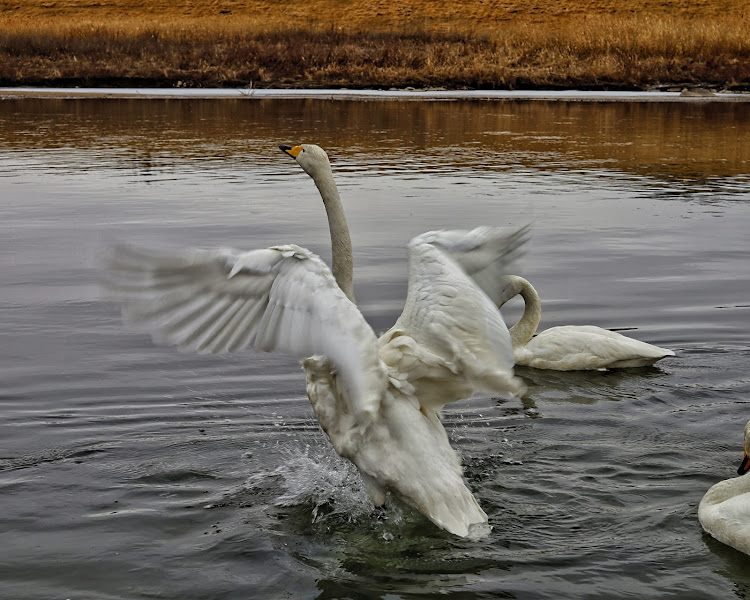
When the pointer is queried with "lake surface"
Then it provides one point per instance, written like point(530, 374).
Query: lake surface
point(132, 471)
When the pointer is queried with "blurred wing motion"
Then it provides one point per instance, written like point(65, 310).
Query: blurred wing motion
point(485, 254)
point(451, 340)
point(279, 299)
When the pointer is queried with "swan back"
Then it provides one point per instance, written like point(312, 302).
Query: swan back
point(586, 347)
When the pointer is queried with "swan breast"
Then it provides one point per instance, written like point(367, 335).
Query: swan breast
point(724, 512)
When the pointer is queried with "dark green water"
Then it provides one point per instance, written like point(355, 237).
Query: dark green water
point(129, 471)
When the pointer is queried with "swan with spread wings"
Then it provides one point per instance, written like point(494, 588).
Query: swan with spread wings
point(377, 399)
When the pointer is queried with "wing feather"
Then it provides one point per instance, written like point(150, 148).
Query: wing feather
point(280, 299)
point(462, 342)
point(484, 253)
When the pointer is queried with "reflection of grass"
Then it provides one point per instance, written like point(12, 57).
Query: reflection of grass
point(685, 145)
point(572, 51)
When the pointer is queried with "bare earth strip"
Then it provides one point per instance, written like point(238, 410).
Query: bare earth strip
point(693, 96)
point(464, 44)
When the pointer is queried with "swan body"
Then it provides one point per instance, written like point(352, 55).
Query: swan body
point(724, 512)
point(570, 347)
point(377, 399)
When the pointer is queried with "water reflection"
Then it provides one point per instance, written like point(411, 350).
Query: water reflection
point(676, 142)
point(587, 387)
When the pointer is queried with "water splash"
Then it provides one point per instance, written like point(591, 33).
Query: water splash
point(321, 478)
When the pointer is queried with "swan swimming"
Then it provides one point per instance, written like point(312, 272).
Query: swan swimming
point(724, 512)
point(377, 399)
point(570, 347)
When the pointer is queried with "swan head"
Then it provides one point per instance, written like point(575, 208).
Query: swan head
point(745, 465)
point(313, 159)
point(510, 287)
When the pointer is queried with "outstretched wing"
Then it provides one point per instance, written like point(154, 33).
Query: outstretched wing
point(450, 339)
point(484, 253)
point(279, 299)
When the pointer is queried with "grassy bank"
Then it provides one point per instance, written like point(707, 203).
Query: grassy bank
point(283, 44)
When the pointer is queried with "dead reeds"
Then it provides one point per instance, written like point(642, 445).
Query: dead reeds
point(580, 51)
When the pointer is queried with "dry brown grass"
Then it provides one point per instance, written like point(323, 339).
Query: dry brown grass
point(476, 44)
point(389, 14)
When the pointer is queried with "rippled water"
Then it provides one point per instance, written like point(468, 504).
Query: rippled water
point(129, 471)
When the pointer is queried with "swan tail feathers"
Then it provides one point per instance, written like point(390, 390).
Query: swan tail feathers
point(456, 510)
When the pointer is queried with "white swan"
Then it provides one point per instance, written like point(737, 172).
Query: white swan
point(724, 512)
point(570, 347)
point(377, 399)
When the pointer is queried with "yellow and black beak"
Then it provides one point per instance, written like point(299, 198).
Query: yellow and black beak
point(291, 151)
point(744, 465)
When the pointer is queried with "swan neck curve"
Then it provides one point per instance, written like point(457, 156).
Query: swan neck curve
point(341, 244)
point(522, 332)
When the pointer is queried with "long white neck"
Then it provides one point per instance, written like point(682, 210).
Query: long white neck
point(524, 330)
point(341, 244)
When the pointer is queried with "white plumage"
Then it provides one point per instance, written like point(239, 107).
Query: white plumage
point(569, 347)
point(377, 399)
point(724, 512)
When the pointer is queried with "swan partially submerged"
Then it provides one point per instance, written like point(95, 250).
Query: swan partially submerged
point(570, 347)
point(378, 399)
point(724, 512)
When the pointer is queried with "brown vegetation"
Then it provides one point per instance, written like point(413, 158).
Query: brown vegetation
point(422, 43)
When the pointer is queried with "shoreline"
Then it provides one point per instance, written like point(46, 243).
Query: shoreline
point(694, 95)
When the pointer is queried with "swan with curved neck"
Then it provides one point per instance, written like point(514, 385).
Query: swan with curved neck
point(724, 512)
point(377, 399)
point(319, 169)
point(570, 347)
